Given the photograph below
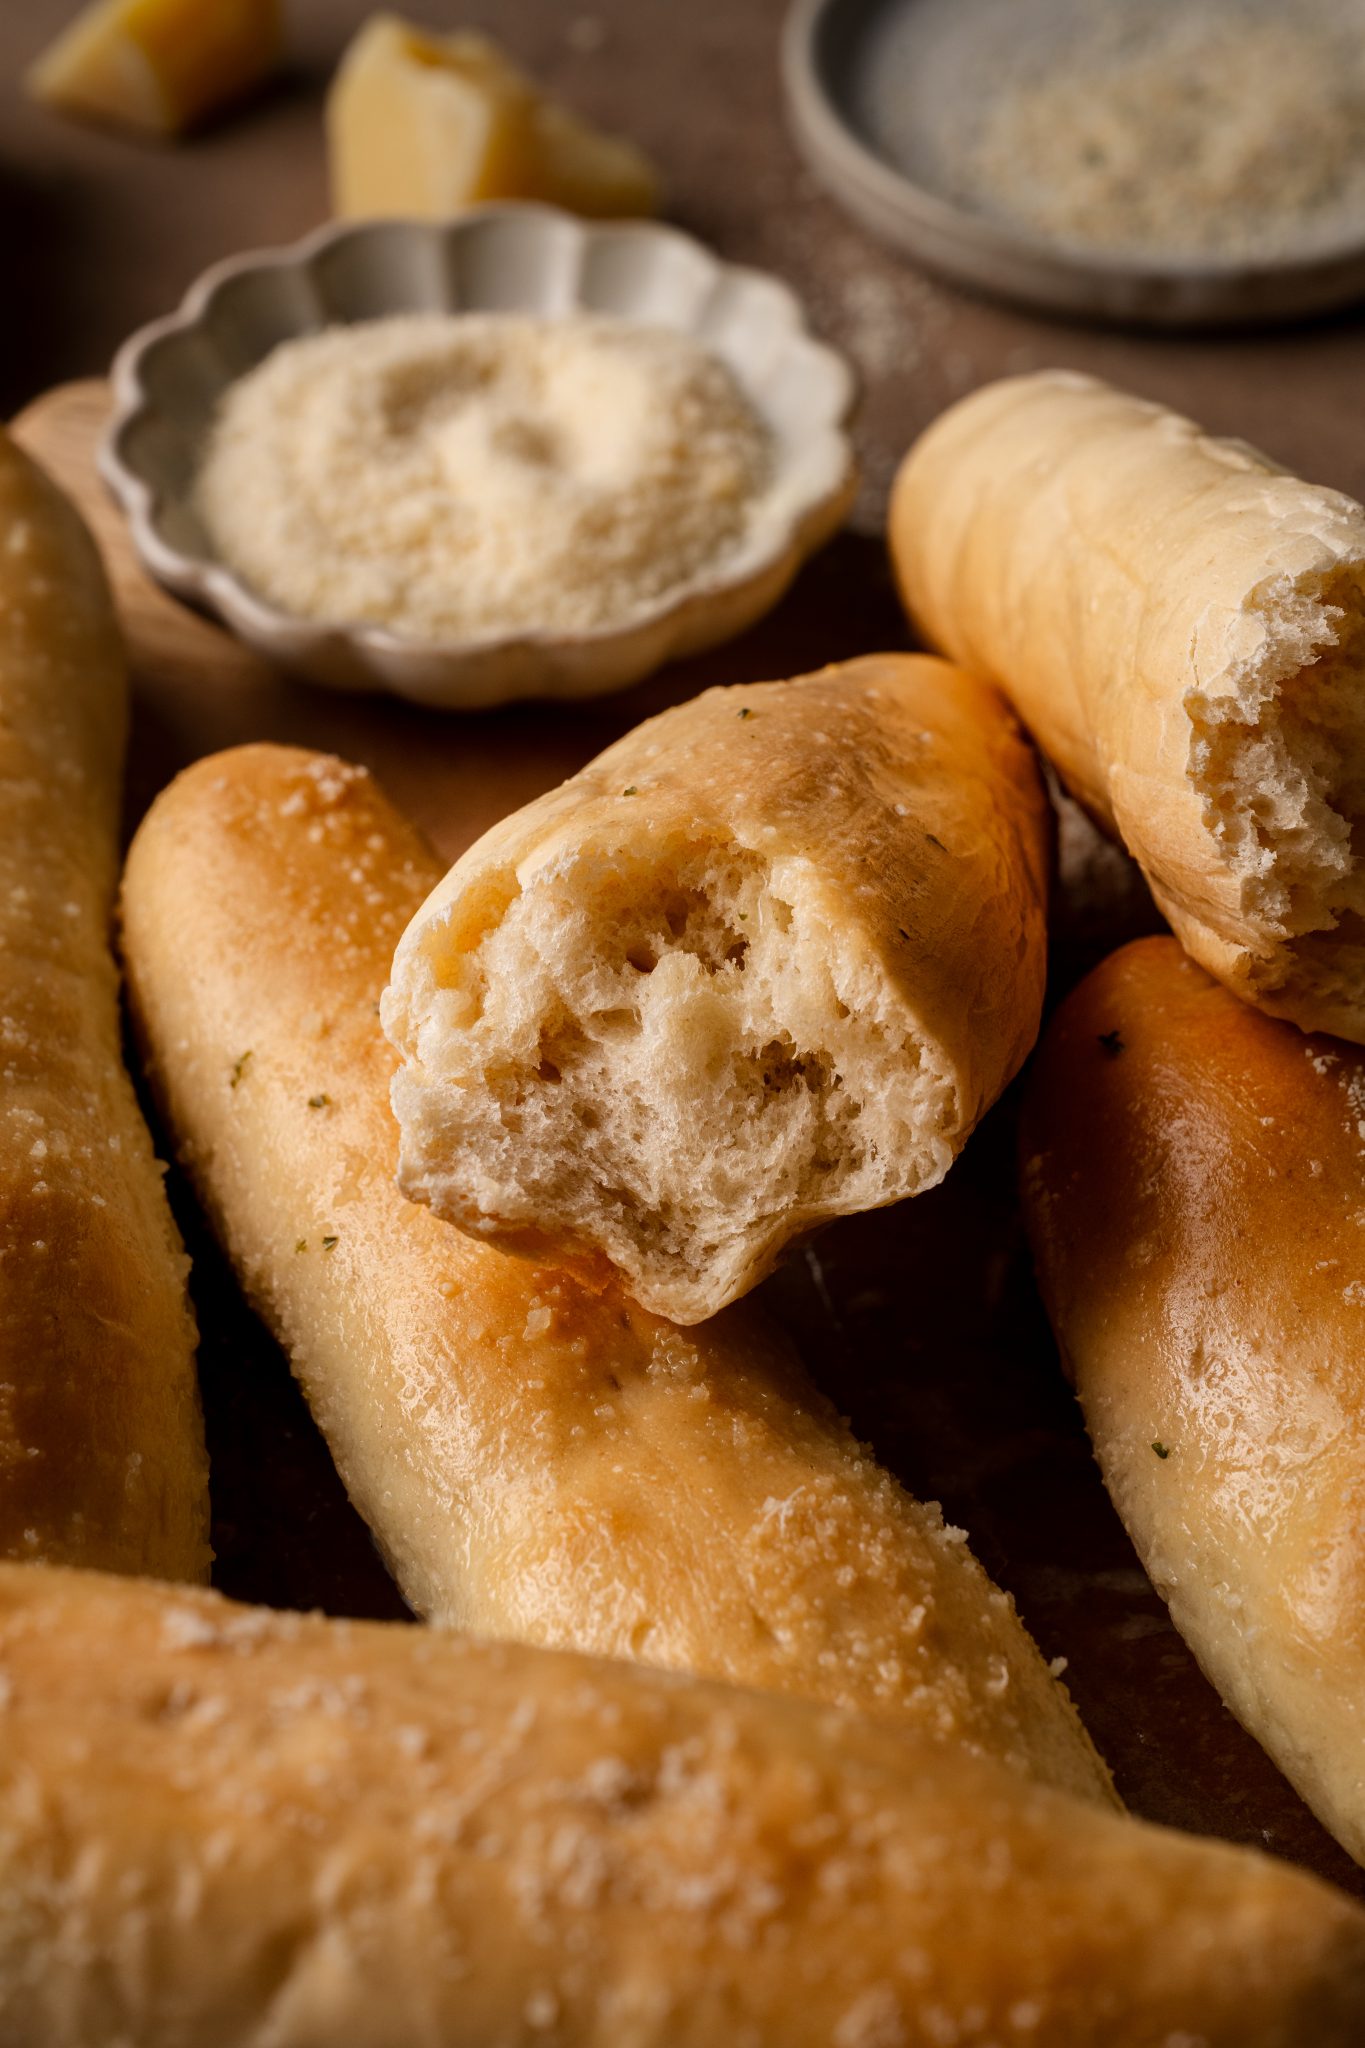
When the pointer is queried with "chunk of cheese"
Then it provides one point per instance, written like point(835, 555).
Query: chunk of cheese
point(158, 65)
point(589, 172)
point(423, 124)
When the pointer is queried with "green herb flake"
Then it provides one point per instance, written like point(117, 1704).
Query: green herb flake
point(301, 1244)
point(904, 933)
point(1162, 1450)
point(1112, 1043)
point(328, 1244)
point(745, 712)
point(239, 1067)
point(632, 791)
point(319, 1102)
point(934, 840)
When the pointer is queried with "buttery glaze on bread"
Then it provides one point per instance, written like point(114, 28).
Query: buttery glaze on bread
point(537, 1460)
point(1194, 1181)
point(1181, 625)
point(102, 1457)
point(231, 1828)
point(766, 961)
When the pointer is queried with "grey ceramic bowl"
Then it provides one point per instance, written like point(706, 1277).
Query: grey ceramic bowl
point(828, 49)
point(514, 258)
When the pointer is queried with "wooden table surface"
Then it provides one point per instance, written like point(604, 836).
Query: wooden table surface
point(922, 1321)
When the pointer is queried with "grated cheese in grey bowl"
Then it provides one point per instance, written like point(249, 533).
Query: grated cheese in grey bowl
point(456, 476)
point(1216, 130)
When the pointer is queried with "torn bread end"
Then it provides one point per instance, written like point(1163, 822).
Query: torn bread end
point(669, 1052)
point(1278, 759)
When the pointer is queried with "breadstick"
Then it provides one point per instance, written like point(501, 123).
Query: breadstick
point(1181, 625)
point(1194, 1179)
point(766, 961)
point(537, 1460)
point(245, 1829)
point(102, 1456)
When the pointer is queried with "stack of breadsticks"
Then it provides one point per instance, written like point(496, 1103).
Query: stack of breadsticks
point(736, 1741)
point(1181, 627)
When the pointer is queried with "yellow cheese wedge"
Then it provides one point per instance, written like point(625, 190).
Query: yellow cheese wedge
point(589, 172)
point(423, 124)
point(158, 65)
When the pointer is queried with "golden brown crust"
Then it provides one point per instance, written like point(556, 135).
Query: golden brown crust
point(901, 831)
point(232, 1828)
point(1163, 610)
point(1194, 1182)
point(538, 1460)
point(102, 1458)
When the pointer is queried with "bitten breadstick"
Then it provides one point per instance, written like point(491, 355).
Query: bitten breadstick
point(537, 1460)
point(102, 1456)
point(1181, 625)
point(1194, 1179)
point(766, 961)
point(243, 1829)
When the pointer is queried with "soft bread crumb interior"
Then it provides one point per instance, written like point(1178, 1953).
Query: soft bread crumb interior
point(664, 1057)
point(1280, 763)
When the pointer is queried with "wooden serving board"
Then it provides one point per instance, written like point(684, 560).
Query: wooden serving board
point(922, 1322)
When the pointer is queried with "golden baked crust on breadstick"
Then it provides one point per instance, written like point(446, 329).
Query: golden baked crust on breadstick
point(102, 1457)
point(243, 1829)
point(537, 1460)
point(1194, 1181)
point(767, 960)
point(1181, 625)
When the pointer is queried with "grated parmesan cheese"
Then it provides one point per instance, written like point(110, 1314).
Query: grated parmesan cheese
point(1234, 130)
point(453, 477)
